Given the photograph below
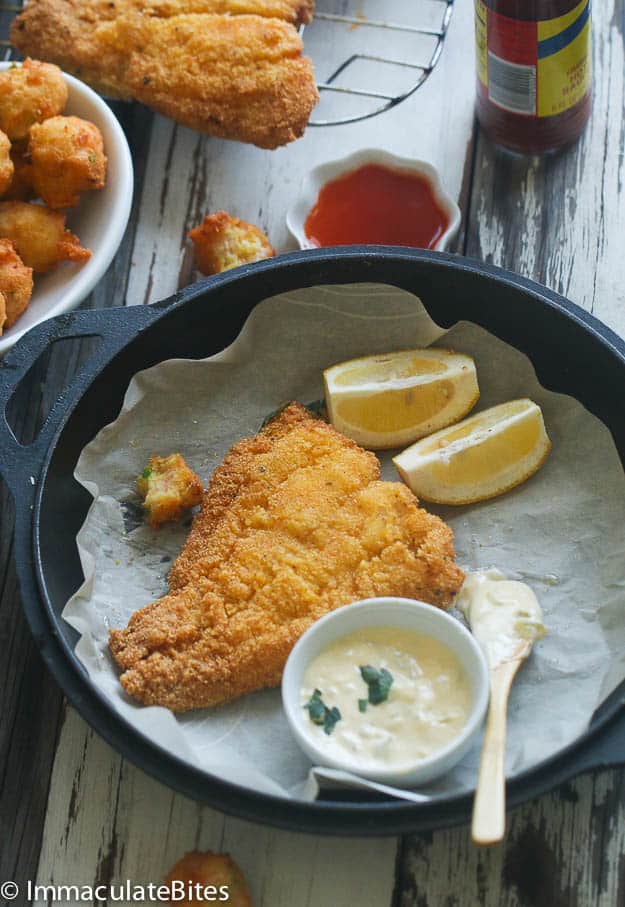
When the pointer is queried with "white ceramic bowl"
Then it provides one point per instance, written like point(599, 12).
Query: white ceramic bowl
point(388, 612)
point(324, 173)
point(99, 220)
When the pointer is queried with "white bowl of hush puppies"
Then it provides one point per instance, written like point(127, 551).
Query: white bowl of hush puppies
point(66, 185)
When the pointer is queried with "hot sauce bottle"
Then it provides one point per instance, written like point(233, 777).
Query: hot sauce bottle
point(534, 71)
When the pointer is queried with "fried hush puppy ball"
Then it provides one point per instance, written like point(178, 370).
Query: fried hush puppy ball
point(39, 235)
point(29, 94)
point(6, 164)
point(169, 488)
point(21, 185)
point(67, 158)
point(216, 872)
point(223, 242)
point(16, 283)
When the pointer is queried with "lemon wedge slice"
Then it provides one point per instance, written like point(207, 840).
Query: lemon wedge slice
point(480, 457)
point(392, 399)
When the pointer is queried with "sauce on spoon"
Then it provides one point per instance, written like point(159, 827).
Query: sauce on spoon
point(502, 613)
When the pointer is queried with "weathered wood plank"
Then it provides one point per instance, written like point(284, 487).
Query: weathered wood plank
point(108, 821)
point(558, 219)
point(563, 850)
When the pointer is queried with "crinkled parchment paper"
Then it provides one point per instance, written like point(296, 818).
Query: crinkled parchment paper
point(562, 531)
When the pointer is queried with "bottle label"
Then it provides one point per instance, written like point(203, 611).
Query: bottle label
point(536, 69)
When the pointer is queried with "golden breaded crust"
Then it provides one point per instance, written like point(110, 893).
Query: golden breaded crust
point(7, 168)
point(240, 77)
point(235, 76)
point(305, 526)
point(227, 480)
point(67, 158)
point(92, 12)
point(169, 488)
point(21, 186)
point(222, 242)
point(297, 12)
point(29, 94)
point(39, 235)
point(65, 31)
point(16, 282)
point(3, 311)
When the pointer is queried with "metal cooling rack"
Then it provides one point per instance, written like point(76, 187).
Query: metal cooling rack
point(373, 62)
point(388, 58)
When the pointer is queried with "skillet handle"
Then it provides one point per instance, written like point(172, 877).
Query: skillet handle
point(20, 464)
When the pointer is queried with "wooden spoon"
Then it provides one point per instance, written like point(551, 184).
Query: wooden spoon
point(489, 807)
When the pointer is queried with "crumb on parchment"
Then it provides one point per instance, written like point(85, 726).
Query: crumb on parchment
point(169, 488)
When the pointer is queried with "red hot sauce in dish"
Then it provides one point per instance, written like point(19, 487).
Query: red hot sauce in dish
point(377, 205)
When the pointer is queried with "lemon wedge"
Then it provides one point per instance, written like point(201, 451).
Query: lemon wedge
point(392, 399)
point(480, 457)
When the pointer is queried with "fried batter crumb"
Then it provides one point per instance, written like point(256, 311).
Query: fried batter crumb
point(3, 311)
point(16, 283)
point(210, 871)
point(223, 242)
point(169, 488)
point(6, 164)
point(20, 187)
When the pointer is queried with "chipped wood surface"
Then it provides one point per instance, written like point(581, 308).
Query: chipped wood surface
point(112, 822)
point(563, 850)
point(71, 809)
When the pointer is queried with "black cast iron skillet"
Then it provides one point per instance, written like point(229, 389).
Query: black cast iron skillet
point(572, 352)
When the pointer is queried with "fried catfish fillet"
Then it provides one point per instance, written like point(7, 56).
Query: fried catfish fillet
point(92, 12)
point(294, 523)
point(297, 12)
point(239, 77)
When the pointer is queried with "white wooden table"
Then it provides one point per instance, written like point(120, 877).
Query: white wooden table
point(71, 809)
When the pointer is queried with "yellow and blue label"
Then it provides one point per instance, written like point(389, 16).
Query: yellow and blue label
point(564, 60)
point(550, 60)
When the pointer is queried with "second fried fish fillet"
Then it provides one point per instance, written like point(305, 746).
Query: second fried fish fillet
point(294, 524)
point(92, 12)
point(240, 77)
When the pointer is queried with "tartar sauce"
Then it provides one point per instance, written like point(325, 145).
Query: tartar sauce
point(500, 612)
point(428, 703)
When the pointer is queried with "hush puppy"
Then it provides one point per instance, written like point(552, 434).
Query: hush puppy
point(39, 235)
point(21, 186)
point(67, 158)
point(215, 871)
point(29, 94)
point(169, 487)
point(223, 242)
point(6, 164)
point(16, 283)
